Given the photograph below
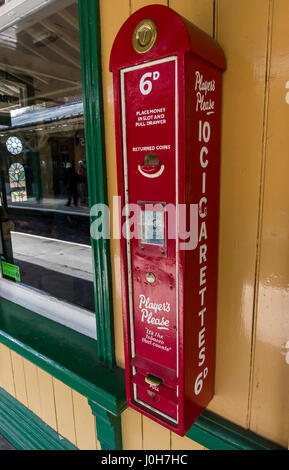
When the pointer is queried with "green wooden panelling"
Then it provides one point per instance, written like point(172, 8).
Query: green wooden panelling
point(65, 354)
point(89, 25)
point(108, 428)
point(216, 433)
point(25, 430)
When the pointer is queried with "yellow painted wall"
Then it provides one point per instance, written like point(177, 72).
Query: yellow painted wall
point(269, 406)
point(253, 328)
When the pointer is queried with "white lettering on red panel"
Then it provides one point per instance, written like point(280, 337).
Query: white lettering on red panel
point(204, 137)
point(203, 87)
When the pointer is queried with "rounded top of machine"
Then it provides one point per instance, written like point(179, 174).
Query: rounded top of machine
point(157, 31)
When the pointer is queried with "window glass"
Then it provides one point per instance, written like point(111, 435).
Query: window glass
point(45, 213)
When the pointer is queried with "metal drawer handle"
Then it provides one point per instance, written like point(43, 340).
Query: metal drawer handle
point(153, 380)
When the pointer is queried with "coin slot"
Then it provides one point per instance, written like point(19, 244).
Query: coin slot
point(151, 159)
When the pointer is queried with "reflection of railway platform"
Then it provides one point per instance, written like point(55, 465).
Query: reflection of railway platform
point(51, 205)
point(62, 269)
point(51, 218)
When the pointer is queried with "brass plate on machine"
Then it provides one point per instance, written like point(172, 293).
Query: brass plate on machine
point(144, 36)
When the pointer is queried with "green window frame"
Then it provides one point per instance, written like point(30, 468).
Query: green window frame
point(90, 46)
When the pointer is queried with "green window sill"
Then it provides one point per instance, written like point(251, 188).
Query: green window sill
point(217, 433)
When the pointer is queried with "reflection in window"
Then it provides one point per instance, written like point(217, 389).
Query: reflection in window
point(43, 159)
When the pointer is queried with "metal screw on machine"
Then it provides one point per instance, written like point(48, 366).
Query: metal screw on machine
point(151, 278)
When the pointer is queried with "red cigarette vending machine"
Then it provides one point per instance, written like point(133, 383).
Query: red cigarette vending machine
point(167, 94)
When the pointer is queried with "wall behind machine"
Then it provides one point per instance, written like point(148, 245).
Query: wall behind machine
point(252, 290)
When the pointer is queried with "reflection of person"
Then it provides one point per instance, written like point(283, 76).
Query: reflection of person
point(82, 182)
point(29, 179)
point(70, 181)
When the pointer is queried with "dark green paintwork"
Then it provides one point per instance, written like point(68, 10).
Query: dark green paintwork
point(108, 427)
point(89, 22)
point(216, 433)
point(25, 430)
